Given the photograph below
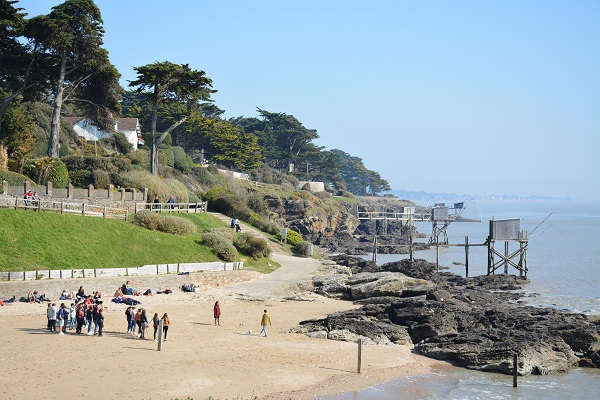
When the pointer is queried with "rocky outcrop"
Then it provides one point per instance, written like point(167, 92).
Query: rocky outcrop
point(477, 323)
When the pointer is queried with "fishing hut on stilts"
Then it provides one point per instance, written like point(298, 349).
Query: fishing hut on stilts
point(507, 231)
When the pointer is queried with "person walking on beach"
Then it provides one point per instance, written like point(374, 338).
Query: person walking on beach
point(137, 318)
point(62, 316)
point(72, 316)
point(166, 324)
point(143, 324)
point(155, 324)
point(217, 313)
point(265, 320)
point(132, 322)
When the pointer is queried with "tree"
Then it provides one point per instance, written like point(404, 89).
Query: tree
point(71, 38)
point(165, 84)
point(282, 137)
point(18, 134)
point(21, 72)
point(358, 178)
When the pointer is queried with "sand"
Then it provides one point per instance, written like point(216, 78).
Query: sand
point(198, 359)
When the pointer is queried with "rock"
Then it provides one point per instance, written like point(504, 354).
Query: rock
point(475, 322)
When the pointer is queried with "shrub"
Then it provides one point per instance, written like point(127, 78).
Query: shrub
point(147, 219)
point(175, 225)
point(81, 178)
point(13, 178)
point(257, 203)
point(292, 237)
point(101, 178)
point(121, 143)
point(181, 161)
point(212, 239)
point(48, 169)
point(301, 247)
point(252, 246)
point(166, 156)
point(272, 228)
point(164, 223)
point(225, 251)
point(204, 176)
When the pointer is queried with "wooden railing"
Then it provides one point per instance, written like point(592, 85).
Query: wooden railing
point(64, 207)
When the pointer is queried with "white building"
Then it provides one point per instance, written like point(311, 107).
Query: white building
point(130, 127)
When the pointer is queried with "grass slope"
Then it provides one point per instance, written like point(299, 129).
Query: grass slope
point(43, 240)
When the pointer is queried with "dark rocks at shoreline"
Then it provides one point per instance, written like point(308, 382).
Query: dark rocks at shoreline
point(476, 322)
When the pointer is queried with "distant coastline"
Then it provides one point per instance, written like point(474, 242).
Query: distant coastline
point(421, 195)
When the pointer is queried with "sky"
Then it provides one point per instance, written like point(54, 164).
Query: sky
point(473, 97)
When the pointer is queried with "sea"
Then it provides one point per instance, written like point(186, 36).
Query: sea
point(563, 260)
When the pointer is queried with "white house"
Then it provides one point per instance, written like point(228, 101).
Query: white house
point(130, 127)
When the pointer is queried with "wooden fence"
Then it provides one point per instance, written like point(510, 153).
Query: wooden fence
point(98, 210)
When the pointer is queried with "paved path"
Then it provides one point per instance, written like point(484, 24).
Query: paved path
point(286, 281)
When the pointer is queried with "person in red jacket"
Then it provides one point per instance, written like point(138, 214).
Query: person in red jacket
point(217, 313)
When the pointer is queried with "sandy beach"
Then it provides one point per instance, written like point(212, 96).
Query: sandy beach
point(199, 359)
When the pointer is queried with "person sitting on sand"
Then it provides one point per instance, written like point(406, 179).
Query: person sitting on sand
point(188, 287)
point(118, 293)
point(80, 293)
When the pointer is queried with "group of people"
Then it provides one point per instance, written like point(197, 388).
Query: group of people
point(138, 319)
point(32, 199)
point(85, 312)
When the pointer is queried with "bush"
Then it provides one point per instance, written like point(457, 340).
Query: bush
point(175, 225)
point(257, 203)
point(147, 219)
point(212, 239)
point(48, 169)
point(301, 247)
point(181, 161)
point(81, 178)
point(121, 143)
point(166, 156)
point(164, 188)
point(164, 223)
point(204, 176)
point(272, 228)
point(252, 246)
point(292, 237)
point(13, 178)
point(101, 178)
point(225, 251)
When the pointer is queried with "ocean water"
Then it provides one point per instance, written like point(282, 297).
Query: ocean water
point(563, 259)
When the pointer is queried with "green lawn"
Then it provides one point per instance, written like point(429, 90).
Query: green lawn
point(43, 240)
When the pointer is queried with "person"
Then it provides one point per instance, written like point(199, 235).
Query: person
point(89, 317)
point(233, 222)
point(36, 200)
point(63, 316)
point(166, 324)
point(80, 293)
point(171, 203)
point(28, 197)
point(155, 324)
point(137, 318)
point(118, 292)
point(143, 324)
point(217, 313)
point(80, 319)
point(97, 308)
point(156, 203)
point(72, 316)
point(265, 320)
point(100, 319)
point(52, 314)
point(238, 228)
point(131, 319)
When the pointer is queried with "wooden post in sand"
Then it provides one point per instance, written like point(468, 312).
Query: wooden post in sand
point(160, 332)
point(515, 370)
point(359, 341)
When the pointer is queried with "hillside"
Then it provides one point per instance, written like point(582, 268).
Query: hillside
point(30, 240)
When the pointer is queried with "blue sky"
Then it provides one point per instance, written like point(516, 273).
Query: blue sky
point(475, 97)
